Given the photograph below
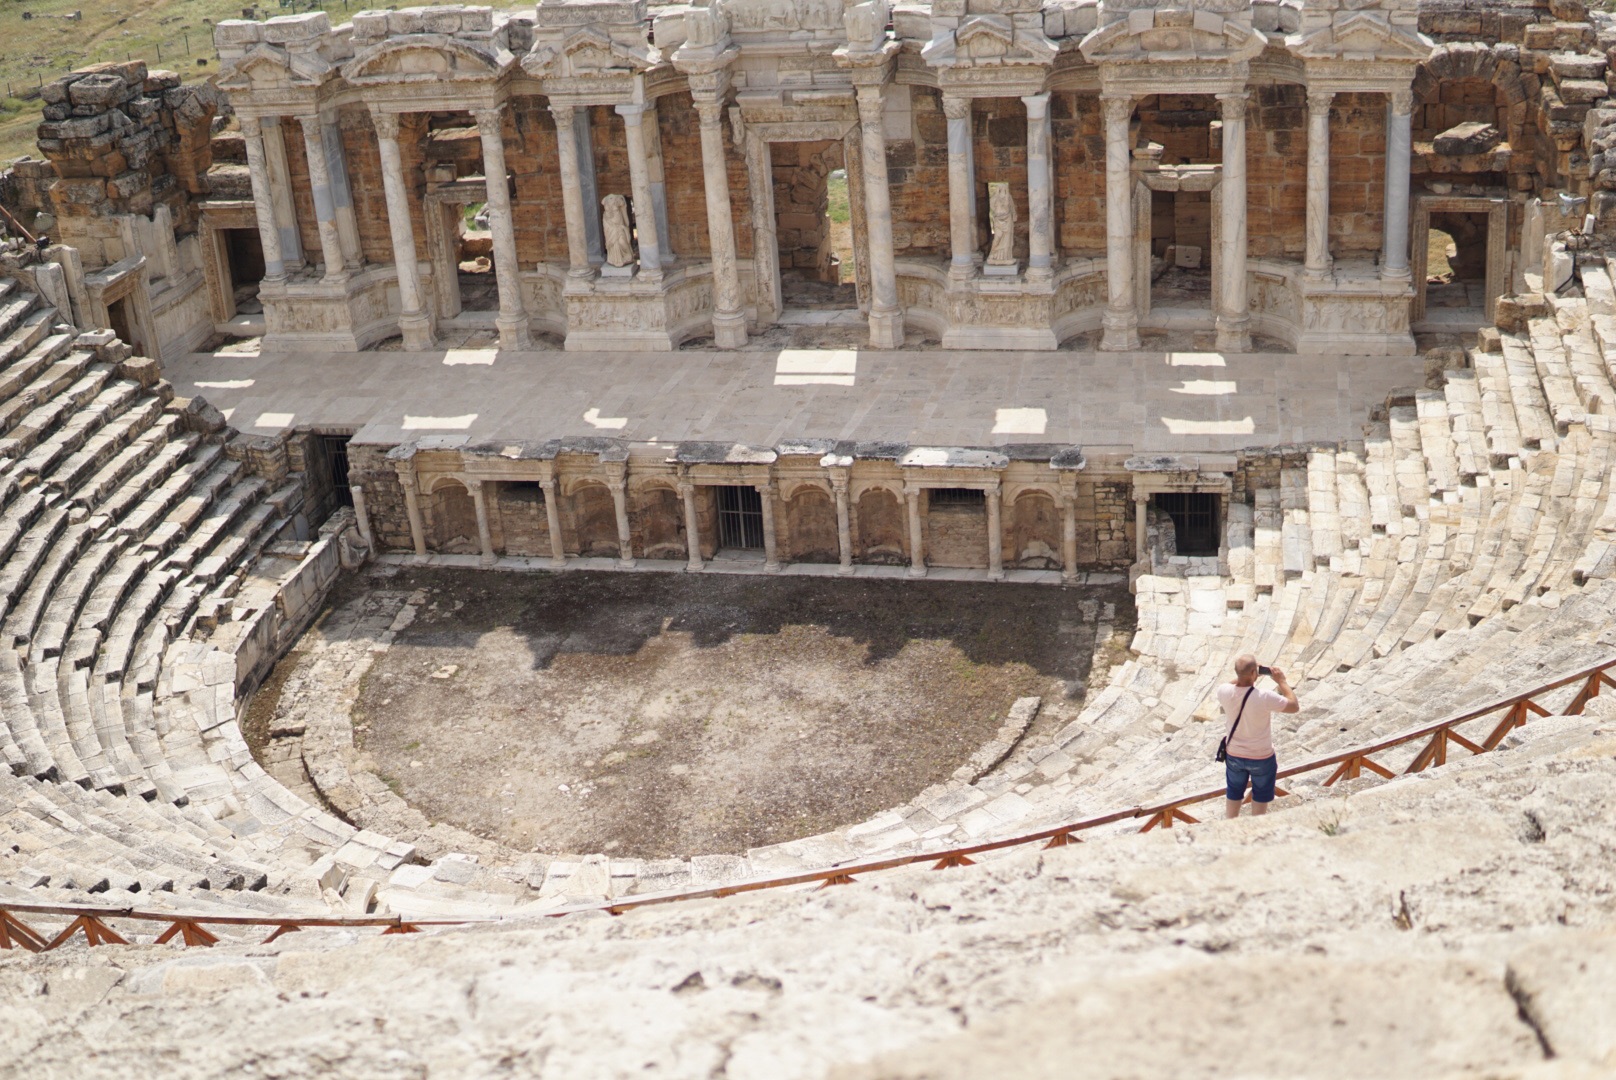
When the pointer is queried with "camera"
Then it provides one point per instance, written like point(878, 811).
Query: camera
point(1264, 670)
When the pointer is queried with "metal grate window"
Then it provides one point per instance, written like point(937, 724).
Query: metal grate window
point(955, 497)
point(1195, 520)
point(740, 517)
point(336, 458)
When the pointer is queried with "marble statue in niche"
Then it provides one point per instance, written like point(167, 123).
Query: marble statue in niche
point(1002, 224)
point(619, 237)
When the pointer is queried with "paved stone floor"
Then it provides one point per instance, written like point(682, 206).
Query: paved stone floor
point(1160, 401)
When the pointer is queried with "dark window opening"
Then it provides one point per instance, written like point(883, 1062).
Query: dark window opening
point(527, 490)
point(1195, 520)
point(955, 497)
point(336, 459)
point(118, 318)
point(740, 517)
point(245, 250)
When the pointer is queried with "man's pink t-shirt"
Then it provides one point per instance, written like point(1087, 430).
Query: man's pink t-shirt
point(1254, 738)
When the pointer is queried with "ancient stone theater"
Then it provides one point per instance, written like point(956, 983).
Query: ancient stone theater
point(615, 538)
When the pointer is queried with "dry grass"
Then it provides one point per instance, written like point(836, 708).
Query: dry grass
point(841, 221)
point(173, 34)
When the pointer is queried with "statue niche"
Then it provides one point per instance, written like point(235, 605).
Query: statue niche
point(1002, 223)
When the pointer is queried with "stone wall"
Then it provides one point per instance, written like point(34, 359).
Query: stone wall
point(917, 170)
point(1357, 173)
point(1276, 172)
point(1078, 135)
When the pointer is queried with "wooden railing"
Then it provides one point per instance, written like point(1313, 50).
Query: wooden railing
point(1437, 737)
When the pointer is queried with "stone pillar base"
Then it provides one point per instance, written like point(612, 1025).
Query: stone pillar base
point(513, 332)
point(844, 571)
point(729, 329)
point(1234, 335)
point(626, 564)
point(917, 571)
point(886, 329)
point(417, 331)
point(1121, 333)
point(487, 561)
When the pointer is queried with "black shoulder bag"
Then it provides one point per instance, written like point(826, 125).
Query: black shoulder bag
point(1223, 743)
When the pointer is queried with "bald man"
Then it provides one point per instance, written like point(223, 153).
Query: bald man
point(1248, 712)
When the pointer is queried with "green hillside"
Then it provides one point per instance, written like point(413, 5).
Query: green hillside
point(49, 42)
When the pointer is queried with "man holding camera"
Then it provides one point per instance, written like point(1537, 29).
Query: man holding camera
point(1248, 711)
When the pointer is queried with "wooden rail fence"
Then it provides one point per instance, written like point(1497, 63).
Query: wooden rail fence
point(191, 930)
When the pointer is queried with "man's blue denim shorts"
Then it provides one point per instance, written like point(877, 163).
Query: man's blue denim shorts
point(1259, 771)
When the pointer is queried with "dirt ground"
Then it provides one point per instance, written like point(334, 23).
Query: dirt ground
point(656, 715)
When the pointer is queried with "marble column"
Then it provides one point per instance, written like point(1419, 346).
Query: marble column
point(1121, 318)
point(1068, 537)
point(512, 318)
point(263, 203)
point(844, 526)
point(961, 211)
point(413, 320)
point(325, 205)
point(583, 136)
point(1040, 190)
point(917, 539)
point(729, 321)
point(687, 492)
point(572, 192)
point(994, 496)
point(1318, 184)
point(412, 510)
point(552, 521)
point(659, 184)
point(280, 191)
point(639, 178)
point(771, 550)
point(1399, 148)
point(886, 317)
point(1234, 320)
point(765, 232)
point(356, 492)
point(336, 158)
point(1141, 512)
point(625, 535)
point(485, 535)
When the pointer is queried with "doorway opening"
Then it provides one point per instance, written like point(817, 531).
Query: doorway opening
point(1195, 520)
point(813, 224)
point(1456, 269)
point(244, 259)
point(336, 460)
point(740, 518)
point(1189, 131)
point(118, 321)
point(474, 260)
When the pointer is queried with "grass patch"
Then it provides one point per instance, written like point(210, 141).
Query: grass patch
point(172, 34)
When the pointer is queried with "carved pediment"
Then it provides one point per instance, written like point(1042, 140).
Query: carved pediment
point(266, 67)
point(988, 40)
point(1171, 36)
point(585, 52)
point(1363, 35)
point(427, 58)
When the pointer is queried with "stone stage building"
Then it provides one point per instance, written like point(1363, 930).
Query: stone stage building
point(1021, 174)
point(1264, 149)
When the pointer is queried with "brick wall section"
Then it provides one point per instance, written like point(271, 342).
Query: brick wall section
point(1357, 173)
point(1078, 133)
point(1276, 172)
point(917, 172)
point(531, 156)
point(384, 498)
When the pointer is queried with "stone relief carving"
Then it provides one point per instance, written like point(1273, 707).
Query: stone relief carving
point(619, 238)
point(1002, 223)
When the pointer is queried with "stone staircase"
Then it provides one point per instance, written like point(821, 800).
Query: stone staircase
point(1464, 548)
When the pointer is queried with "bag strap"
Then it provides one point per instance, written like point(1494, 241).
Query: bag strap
point(1235, 726)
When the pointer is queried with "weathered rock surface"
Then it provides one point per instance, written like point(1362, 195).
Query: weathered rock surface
point(1455, 923)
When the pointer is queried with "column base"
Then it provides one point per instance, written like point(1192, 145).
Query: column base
point(845, 570)
point(1121, 332)
point(886, 329)
point(338, 276)
point(962, 271)
point(487, 561)
point(694, 566)
point(1234, 335)
point(1400, 276)
point(771, 567)
point(513, 332)
point(729, 329)
point(995, 575)
point(558, 564)
point(626, 564)
point(917, 571)
point(417, 331)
